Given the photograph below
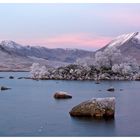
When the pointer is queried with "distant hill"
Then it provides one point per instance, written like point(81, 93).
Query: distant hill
point(14, 56)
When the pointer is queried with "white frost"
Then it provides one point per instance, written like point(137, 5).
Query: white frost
point(120, 40)
point(11, 44)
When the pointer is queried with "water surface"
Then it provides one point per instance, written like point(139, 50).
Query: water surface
point(29, 109)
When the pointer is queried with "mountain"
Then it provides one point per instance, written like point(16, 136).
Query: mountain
point(129, 45)
point(14, 56)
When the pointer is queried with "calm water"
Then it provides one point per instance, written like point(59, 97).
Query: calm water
point(29, 109)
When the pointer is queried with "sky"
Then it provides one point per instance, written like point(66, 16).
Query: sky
point(81, 26)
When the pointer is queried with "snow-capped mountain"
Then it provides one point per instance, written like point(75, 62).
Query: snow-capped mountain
point(13, 55)
point(129, 45)
point(64, 55)
point(122, 39)
point(10, 44)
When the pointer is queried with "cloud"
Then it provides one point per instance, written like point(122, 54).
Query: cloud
point(79, 40)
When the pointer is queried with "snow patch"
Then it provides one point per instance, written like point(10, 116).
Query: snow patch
point(120, 40)
point(11, 44)
point(137, 39)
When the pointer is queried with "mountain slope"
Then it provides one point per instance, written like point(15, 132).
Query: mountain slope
point(14, 56)
point(63, 55)
point(129, 45)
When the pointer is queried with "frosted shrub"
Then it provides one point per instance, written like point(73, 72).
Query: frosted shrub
point(43, 72)
point(108, 57)
point(116, 68)
point(107, 64)
point(38, 72)
point(87, 61)
point(35, 70)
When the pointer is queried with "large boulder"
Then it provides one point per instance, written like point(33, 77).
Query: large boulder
point(96, 107)
point(62, 95)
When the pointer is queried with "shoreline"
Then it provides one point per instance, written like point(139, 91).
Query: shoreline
point(43, 79)
point(14, 71)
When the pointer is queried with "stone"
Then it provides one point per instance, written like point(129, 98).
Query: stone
point(96, 108)
point(1, 77)
point(11, 77)
point(62, 95)
point(97, 82)
point(4, 88)
point(20, 78)
point(25, 78)
point(111, 89)
point(71, 71)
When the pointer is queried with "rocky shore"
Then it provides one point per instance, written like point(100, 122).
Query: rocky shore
point(78, 72)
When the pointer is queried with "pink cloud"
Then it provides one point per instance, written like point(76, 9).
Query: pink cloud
point(80, 40)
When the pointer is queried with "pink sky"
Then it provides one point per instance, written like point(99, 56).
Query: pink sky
point(82, 26)
point(79, 41)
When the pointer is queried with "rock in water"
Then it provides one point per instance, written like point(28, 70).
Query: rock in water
point(11, 77)
point(20, 77)
point(111, 89)
point(4, 88)
point(62, 95)
point(97, 82)
point(1, 77)
point(97, 107)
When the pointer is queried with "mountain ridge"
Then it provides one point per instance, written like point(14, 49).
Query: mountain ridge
point(30, 54)
point(14, 55)
point(128, 47)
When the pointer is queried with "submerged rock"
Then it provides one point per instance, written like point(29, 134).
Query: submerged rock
point(97, 107)
point(111, 89)
point(1, 77)
point(11, 77)
point(20, 78)
point(26, 78)
point(62, 95)
point(97, 82)
point(4, 88)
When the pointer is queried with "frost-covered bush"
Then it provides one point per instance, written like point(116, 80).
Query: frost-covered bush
point(35, 70)
point(127, 67)
point(111, 58)
point(122, 68)
point(107, 64)
point(101, 60)
point(38, 72)
point(132, 63)
point(87, 61)
point(108, 57)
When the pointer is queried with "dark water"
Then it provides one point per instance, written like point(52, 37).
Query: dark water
point(29, 109)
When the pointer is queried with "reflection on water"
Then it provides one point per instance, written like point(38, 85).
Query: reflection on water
point(96, 127)
point(29, 108)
